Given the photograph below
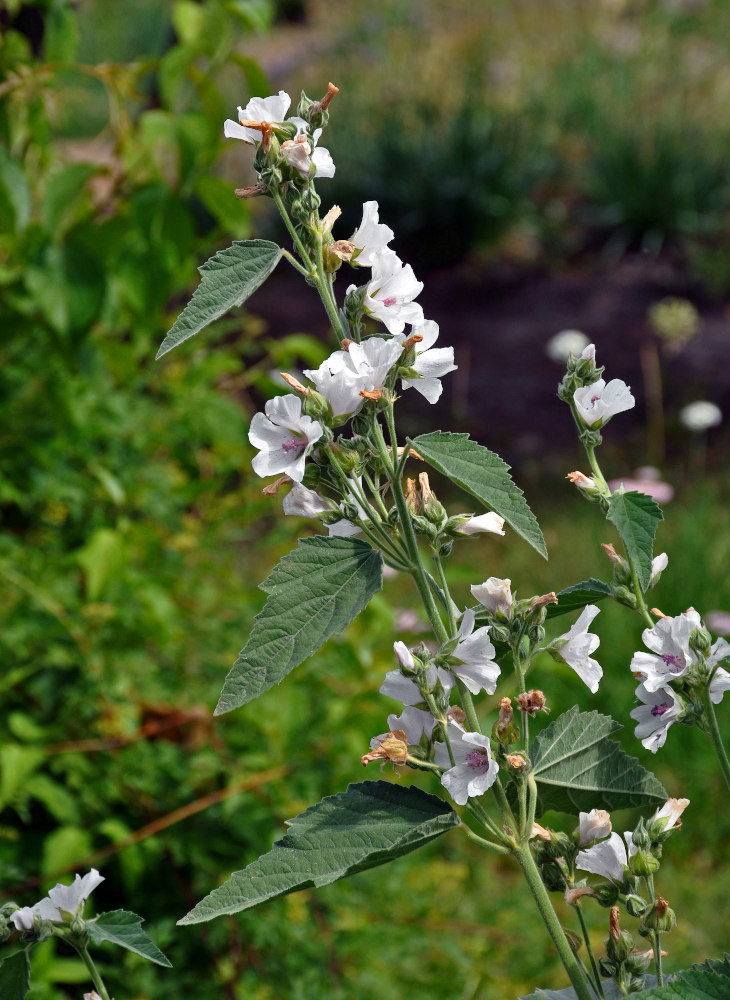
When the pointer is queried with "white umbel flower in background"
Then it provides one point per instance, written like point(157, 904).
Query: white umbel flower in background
point(473, 771)
point(390, 292)
point(700, 416)
point(431, 363)
point(598, 402)
point(478, 669)
point(371, 237)
point(259, 109)
point(563, 344)
point(581, 643)
point(284, 437)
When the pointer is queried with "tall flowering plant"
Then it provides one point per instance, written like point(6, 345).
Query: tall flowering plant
point(496, 763)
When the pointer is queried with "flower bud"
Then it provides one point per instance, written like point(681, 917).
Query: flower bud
point(553, 877)
point(643, 863)
point(659, 917)
point(635, 905)
point(585, 485)
point(432, 508)
point(701, 641)
point(504, 730)
point(606, 893)
point(445, 549)
point(624, 596)
point(393, 516)
point(413, 497)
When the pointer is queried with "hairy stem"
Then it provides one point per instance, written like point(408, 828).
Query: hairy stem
point(93, 972)
point(716, 737)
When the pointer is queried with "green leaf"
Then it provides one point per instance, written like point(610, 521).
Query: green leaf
point(577, 768)
point(15, 198)
point(576, 597)
point(227, 280)
point(483, 474)
point(64, 191)
point(15, 976)
point(314, 593)
point(368, 825)
point(125, 929)
point(610, 992)
point(636, 517)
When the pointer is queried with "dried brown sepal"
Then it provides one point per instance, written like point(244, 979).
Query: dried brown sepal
point(532, 702)
point(426, 490)
point(294, 383)
point(373, 394)
point(657, 613)
point(330, 218)
point(253, 191)
point(614, 923)
point(411, 452)
point(574, 896)
point(343, 249)
point(456, 714)
point(391, 747)
point(414, 339)
point(273, 488)
point(324, 102)
point(516, 761)
point(345, 344)
point(542, 600)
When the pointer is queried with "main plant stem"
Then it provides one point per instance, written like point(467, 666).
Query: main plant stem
point(93, 972)
point(540, 894)
point(716, 737)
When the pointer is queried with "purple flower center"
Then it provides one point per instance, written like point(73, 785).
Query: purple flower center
point(594, 400)
point(660, 709)
point(477, 758)
point(673, 661)
point(292, 444)
point(389, 301)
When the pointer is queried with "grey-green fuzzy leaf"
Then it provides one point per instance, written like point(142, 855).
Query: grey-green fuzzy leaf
point(577, 768)
point(636, 517)
point(483, 474)
point(576, 597)
point(314, 593)
point(226, 280)
point(370, 824)
point(124, 928)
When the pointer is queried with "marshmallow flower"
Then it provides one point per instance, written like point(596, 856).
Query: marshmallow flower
point(431, 363)
point(581, 643)
point(390, 293)
point(494, 594)
point(473, 770)
point(301, 154)
point(594, 825)
point(371, 237)
point(670, 812)
point(597, 403)
point(609, 858)
point(672, 656)
point(258, 109)
point(62, 899)
point(477, 668)
point(345, 374)
point(490, 522)
point(659, 710)
point(284, 437)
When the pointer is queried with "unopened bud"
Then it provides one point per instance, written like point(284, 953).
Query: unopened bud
point(413, 497)
point(659, 917)
point(432, 508)
point(585, 485)
point(701, 641)
point(516, 761)
point(635, 905)
point(643, 863)
point(574, 940)
point(606, 893)
point(504, 730)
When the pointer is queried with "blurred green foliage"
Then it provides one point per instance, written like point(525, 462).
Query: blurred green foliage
point(133, 538)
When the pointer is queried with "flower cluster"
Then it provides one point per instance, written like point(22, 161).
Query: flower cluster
point(61, 905)
point(682, 663)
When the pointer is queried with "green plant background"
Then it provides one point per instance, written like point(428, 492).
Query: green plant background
point(133, 534)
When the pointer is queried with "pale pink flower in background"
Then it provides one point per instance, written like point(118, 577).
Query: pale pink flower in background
point(593, 825)
point(431, 363)
point(284, 437)
point(718, 621)
point(390, 292)
point(495, 594)
point(580, 644)
point(371, 237)
point(473, 771)
point(259, 109)
point(659, 710)
point(598, 402)
point(645, 479)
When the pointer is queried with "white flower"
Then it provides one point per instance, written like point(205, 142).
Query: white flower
point(490, 522)
point(700, 416)
point(303, 502)
point(404, 689)
point(477, 669)
point(609, 858)
point(567, 342)
point(473, 770)
point(597, 403)
point(299, 152)
point(660, 709)
point(414, 722)
point(258, 109)
point(371, 237)
point(345, 374)
point(68, 899)
point(671, 656)
point(284, 437)
point(494, 594)
point(594, 825)
point(720, 682)
point(431, 363)
point(671, 812)
point(658, 565)
point(404, 655)
point(580, 644)
point(390, 292)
